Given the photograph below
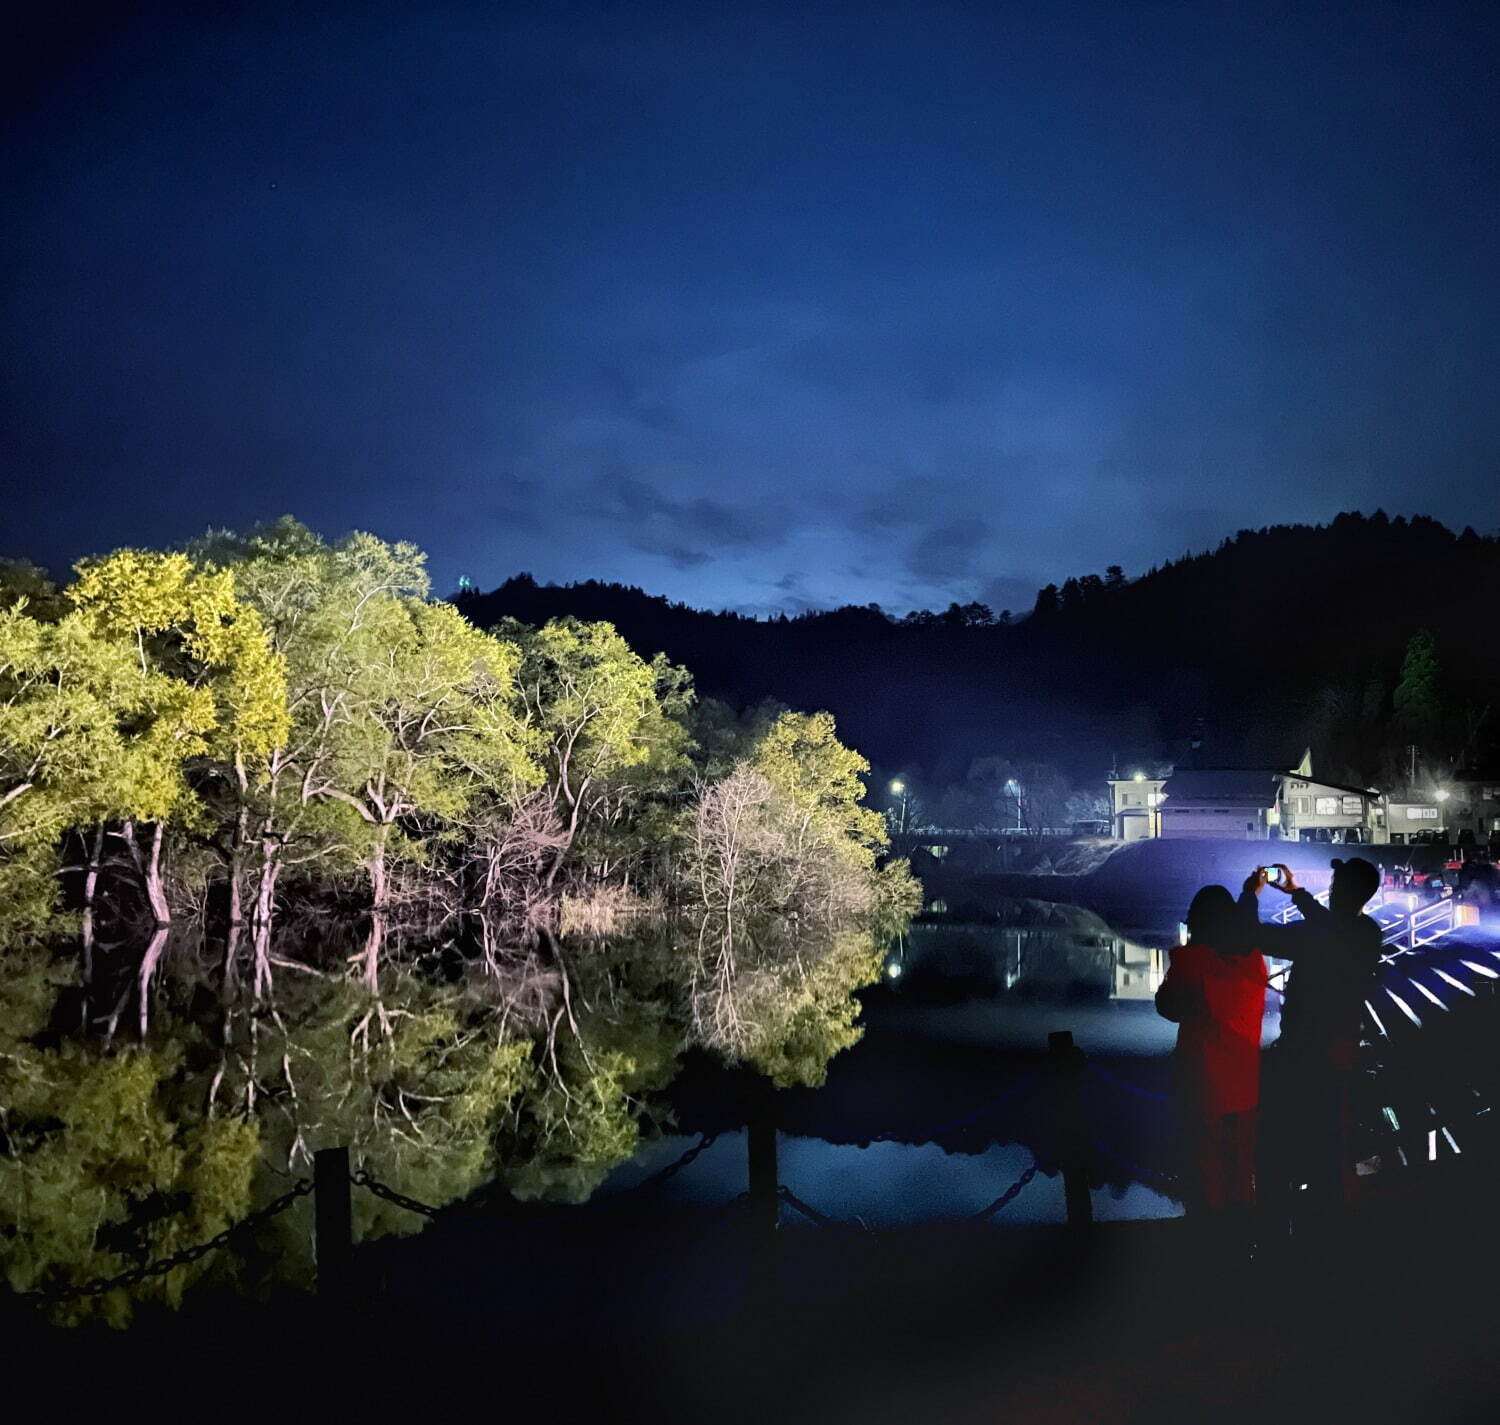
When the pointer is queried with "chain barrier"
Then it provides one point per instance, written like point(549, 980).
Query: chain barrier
point(186, 1257)
point(1009, 1195)
point(821, 1219)
point(983, 1111)
point(704, 1143)
point(1126, 1085)
point(1139, 1169)
point(361, 1178)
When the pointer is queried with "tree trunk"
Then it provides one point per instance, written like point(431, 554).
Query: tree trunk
point(149, 962)
point(234, 933)
point(156, 893)
point(263, 914)
point(378, 902)
point(148, 867)
point(90, 891)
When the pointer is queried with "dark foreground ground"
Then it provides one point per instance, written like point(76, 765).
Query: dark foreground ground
point(614, 1319)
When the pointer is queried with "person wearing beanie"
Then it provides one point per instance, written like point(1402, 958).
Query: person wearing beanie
point(1308, 1076)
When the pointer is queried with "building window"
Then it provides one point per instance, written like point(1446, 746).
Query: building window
point(1353, 806)
point(1326, 806)
point(1153, 799)
point(1421, 813)
point(1299, 805)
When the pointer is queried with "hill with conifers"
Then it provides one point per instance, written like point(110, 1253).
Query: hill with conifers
point(1359, 638)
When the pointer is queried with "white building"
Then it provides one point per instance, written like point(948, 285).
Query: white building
point(1269, 804)
point(1135, 803)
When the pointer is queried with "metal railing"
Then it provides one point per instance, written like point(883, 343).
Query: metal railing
point(1421, 926)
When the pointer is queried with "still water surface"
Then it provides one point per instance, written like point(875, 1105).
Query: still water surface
point(960, 1021)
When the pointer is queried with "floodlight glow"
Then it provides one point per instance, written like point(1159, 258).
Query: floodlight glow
point(1417, 984)
point(1405, 1008)
point(894, 971)
point(898, 786)
point(1140, 776)
point(1442, 796)
point(1457, 984)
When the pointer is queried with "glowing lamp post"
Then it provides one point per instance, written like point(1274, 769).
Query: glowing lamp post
point(899, 788)
point(1013, 788)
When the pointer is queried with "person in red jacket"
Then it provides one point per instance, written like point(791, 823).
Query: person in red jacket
point(1215, 990)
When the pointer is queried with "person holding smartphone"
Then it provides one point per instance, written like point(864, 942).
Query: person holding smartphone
point(1307, 1121)
point(1215, 990)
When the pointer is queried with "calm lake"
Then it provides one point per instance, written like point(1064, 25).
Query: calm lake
point(936, 1111)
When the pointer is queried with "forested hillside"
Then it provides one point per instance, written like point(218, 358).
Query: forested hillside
point(1281, 636)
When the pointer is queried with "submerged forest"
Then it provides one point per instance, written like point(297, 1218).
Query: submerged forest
point(292, 855)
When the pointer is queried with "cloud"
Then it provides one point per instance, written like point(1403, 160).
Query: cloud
point(945, 553)
point(689, 532)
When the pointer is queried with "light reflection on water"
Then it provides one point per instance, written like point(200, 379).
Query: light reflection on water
point(882, 1184)
point(950, 991)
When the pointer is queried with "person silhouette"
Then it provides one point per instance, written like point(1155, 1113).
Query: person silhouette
point(1215, 990)
point(1308, 1075)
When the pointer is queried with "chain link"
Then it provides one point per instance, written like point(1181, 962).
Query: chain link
point(1116, 1081)
point(1009, 1195)
point(704, 1143)
point(786, 1195)
point(186, 1257)
point(361, 1178)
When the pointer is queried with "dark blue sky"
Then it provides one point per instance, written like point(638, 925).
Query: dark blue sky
point(756, 305)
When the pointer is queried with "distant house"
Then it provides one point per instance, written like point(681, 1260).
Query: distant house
point(1233, 803)
point(1135, 803)
point(1269, 804)
point(1275, 804)
point(1410, 818)
point(1311, 810)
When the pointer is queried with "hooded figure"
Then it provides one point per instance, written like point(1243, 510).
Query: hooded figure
point(1215, 989)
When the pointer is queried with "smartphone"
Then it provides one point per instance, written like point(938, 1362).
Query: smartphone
point(1272, 874)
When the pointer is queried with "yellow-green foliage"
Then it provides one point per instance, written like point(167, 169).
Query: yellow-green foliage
point(414, 1084)
point(577, 1123)
point(188, 622)
point(811, 1018)
point(294, 716)
point(107, 1162)
point(802, 757)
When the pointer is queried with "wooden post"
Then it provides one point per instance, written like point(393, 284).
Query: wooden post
point(333, 1222)
point(765, 1202)
point(1067, 1062)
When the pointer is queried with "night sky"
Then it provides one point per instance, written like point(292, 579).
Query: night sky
point(753, 306)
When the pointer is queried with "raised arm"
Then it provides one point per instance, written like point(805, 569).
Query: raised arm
point(1283, 942)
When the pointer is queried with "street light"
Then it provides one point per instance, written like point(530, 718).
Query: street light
point(1442, 794)
point(1014, 788)
point(899, 788)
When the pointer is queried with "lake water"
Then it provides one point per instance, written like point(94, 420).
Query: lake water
point(938, 1108)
